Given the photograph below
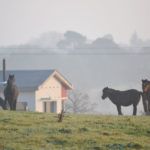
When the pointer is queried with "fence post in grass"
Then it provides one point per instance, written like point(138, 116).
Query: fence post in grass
point(61, 116)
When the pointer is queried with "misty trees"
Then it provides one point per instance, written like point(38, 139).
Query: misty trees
point(72, 40)
point(137, 42)
point(104, 42)
point(79, 102)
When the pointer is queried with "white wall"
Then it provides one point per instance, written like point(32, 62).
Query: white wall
point(51, 89)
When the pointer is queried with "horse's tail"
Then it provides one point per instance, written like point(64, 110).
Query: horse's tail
point(141, 93)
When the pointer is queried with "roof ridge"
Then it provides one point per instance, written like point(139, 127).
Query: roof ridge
point(30, 70)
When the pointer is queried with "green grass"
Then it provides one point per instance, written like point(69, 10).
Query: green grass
point(41, 131)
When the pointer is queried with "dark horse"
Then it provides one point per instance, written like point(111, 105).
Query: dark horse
point(11, 92)
point(2, 103)
point(146, 95)
point(123, 98)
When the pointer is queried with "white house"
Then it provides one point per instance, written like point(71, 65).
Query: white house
point(42, 90)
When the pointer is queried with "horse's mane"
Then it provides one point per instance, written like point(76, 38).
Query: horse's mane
point(112, 90)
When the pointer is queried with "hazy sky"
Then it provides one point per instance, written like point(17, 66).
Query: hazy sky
point(21, 20)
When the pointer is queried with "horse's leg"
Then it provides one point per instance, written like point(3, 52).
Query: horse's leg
point(11, 105)
point(144, 99)
point(119, 110)
point(1, 103)
point(145, 105)
point(149, 105)
point(14, 104)
point(134, 109)
point(5, 104)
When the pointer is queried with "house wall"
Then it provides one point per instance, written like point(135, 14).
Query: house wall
point(63, 91)
point(50, 90)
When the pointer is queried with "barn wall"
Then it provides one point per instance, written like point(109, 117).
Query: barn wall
point(28, 97)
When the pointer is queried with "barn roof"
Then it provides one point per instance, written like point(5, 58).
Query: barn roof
point(29, 79)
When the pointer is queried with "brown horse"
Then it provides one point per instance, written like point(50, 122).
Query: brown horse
point(11, 92)
point(146, 95)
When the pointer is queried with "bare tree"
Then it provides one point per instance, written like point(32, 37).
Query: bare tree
point(79, 102)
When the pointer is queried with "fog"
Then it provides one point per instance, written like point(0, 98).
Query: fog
point(21, 20)
point(90, 65)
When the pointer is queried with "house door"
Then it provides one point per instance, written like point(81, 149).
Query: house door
point(53, 106)
point(46, 106)
point(50, 106)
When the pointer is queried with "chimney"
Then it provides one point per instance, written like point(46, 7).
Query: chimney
point(4, 70)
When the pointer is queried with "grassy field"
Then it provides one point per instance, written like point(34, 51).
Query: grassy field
point(41, 131)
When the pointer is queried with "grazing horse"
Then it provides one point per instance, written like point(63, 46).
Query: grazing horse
point(123, 98)
point(146, 95)
point(11, 92)
point(2, 103)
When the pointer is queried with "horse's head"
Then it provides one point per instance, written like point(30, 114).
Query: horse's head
point(105, 93)
point(145, 85)
point(11, 79)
